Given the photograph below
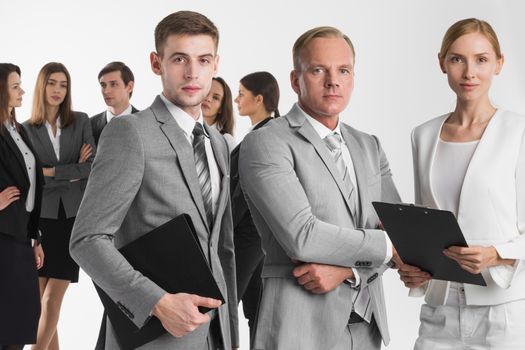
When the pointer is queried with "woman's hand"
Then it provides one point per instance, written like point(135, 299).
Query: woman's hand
point(39, 256)
point(475, 259)
point(412, 276)
point(85, 152)
point(8, 196)
point(49, 172)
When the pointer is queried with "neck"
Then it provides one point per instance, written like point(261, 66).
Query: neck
point(330, 121)
point(473, 112)
point(52, 114)
point(193, 111)
point(259, 116)
point(116, 110)
point(209, 120)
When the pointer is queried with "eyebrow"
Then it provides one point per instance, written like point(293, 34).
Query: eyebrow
point(57, 81)
point(186, 55)
point(477, 54)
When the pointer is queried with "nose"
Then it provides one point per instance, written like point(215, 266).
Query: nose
point(22, 91)
point(236, 100)
point(191, 70)
point(470, 71)
point(331, 80)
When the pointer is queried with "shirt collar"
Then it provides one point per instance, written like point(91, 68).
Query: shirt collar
point(185, 121)
point(110, 115)
point(320, 128)
point(59, 124)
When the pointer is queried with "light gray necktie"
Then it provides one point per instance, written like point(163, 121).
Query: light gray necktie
point(203, 172)
point(361, 298)
point(334, 143)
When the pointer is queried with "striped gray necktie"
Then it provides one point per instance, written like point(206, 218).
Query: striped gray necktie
point(334, 143)
point(203, 172)
point(361, 298)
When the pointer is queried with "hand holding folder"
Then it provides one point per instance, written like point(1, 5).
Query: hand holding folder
point(171, 256)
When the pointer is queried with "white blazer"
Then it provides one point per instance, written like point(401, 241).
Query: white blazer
point(491, 209)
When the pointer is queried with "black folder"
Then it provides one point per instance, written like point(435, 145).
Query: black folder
point(421, 234)
point(171, 256)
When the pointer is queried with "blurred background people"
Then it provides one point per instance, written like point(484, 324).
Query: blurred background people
point(217, 110)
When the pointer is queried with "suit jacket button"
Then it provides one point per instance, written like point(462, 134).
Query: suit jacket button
point(371, 278)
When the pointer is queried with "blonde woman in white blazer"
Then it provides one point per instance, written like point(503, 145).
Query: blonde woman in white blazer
point(472, 162)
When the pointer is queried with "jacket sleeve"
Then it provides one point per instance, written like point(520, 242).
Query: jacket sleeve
point(77, 170)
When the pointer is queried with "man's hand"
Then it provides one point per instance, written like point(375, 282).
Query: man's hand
point(179, 314)
point(319, 278)
point(8, 196)
point(475, 259)
point(85, 153)
point(412, 276)
point(39, 256)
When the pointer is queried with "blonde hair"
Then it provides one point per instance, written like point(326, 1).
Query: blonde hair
point(38, 113)
point(318, 32)
point(468, 26)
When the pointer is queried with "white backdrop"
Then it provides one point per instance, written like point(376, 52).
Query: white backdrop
point(398, 81)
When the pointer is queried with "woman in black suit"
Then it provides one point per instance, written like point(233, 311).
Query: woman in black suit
point(258, 98)
point(65, 145)
point(21, 182)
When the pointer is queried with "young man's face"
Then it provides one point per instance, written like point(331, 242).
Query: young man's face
point(114, 91)
point(186, 68)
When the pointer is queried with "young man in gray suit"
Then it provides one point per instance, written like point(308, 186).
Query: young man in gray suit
point(309, 180)
point(116, 84)
point(151, 167)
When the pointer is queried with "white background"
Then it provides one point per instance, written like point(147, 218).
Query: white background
point(398, 81)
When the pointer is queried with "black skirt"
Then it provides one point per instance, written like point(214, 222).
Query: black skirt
point(56, 233)
point(19, 294)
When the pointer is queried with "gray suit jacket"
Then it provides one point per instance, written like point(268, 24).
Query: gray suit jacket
point(144, 175)
point(300, 207)
point(67, 167)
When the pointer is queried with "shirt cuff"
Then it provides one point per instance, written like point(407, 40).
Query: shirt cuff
point(356, 281)
point(388, 256)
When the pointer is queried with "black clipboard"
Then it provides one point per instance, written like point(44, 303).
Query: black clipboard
point(421, 234)
point(172, 257)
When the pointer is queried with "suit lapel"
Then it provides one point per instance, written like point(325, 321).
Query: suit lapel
point(356, 152)
point(66, 143)
point(45, 141)
point(184, 151)
point(218, 146)
point(16, 151)
point(297, 119)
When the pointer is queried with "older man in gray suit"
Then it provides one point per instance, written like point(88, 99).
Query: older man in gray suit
point(309, 180)
point(151, 167)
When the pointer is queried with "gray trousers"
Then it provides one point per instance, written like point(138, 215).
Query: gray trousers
point(360, 336)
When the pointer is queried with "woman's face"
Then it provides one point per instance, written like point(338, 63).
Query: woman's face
point(470, 64)
point(211, 106)
point(56, 89)
point(246, 102)
point(15, 90)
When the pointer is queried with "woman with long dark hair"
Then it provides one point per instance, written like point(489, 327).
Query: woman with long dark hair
point(217, 110)
point(258, 99)
point(21, 183)
point(65, 145)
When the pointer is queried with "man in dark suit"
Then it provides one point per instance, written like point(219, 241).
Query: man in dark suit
point(116, 83)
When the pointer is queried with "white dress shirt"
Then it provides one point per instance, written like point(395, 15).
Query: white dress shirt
point(55, 139)
point(110, 115)
point(187, 123)
point(30, 162)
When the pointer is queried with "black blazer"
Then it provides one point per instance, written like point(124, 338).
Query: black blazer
point(14, 219)
point(242, 220)
point(99, 121)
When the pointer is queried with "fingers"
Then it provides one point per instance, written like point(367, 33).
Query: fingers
point(412, 276)
point(301, 270)
point(206, 302)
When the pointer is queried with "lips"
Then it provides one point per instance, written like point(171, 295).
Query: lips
point(56, 98)
point(205, 106)
point(191, 89)
point(469, 87)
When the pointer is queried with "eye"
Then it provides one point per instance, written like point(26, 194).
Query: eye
point(456, 59)
point(483, 59)
point(179, 59)
point(205, 60)
point(346, 71)
point(317, 70)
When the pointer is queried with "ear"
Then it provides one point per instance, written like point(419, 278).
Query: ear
point(442, 63)
point(499, 64)
point(294, 80)
point(259, 99)
point(216, 67)
point(155, 62)
point(130, 86)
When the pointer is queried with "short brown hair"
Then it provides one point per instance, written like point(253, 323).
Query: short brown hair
point(184, 23)
point(468, 26)
point(125, 72)
point(318, 32)
point(38, 113)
